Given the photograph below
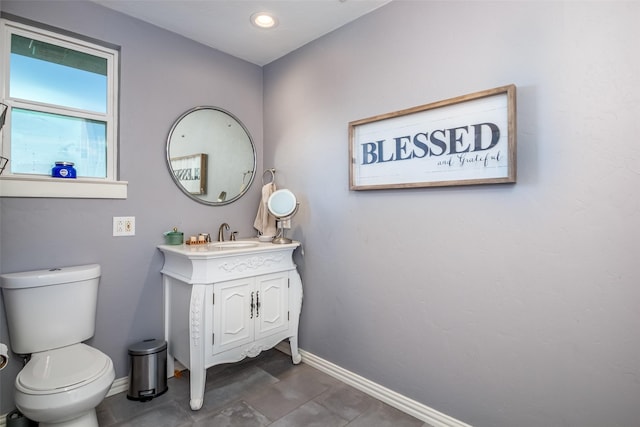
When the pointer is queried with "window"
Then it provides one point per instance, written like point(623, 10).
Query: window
point(61, 98)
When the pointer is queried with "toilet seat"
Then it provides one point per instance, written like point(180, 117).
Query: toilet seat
point(62, 369)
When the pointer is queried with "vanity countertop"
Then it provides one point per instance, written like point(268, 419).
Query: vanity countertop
point(228, 248)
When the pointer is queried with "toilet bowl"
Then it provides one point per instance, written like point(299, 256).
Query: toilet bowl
point(62, 387)
point(49, 314)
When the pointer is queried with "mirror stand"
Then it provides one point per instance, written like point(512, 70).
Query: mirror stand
point(280, 235)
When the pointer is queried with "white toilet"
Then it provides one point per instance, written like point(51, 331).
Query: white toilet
point(49, 314)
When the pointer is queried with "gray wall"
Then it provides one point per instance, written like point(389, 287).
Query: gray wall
point(162, 75)
point(501, 305)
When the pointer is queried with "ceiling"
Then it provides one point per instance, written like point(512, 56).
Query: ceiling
point(225, 24)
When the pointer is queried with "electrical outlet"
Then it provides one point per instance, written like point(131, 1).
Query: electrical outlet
point(124, 225)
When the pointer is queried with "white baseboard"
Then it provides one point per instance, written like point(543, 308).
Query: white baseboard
point(390, 397)
point(118, 386)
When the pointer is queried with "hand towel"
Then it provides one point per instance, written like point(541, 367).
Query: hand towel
point(265, 223)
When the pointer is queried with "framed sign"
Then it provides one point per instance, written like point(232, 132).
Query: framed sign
point(191, 172)
point(466, 140)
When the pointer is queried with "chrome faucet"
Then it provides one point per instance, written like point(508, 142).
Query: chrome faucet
point(223, 226)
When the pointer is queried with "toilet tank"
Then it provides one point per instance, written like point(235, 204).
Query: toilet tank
point(53, 308)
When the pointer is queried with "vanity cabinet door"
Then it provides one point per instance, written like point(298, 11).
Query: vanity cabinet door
point(233, 321)
point(272, 309)
point(246, 310)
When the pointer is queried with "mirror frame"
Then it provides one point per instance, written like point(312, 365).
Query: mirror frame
point(173, 175)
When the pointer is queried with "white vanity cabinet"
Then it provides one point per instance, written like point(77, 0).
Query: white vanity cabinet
point(227, 301)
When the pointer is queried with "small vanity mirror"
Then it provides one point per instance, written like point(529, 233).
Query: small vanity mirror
point(211, 156)
point(282, 204)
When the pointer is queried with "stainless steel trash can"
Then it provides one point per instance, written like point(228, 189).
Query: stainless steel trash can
point(147, 370)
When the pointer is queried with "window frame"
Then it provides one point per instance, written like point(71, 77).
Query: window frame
point(26, 185)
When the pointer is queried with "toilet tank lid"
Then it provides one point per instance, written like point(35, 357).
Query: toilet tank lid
point(52, 276)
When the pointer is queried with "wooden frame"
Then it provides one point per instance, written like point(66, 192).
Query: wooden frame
point(466, 140)
point(191, 172)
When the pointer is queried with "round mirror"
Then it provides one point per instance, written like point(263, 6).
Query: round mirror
point(282, 204)
point(211, 156)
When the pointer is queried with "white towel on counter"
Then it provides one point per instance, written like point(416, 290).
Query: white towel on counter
point(265, 223)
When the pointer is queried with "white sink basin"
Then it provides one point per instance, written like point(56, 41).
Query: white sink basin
point(234, 245)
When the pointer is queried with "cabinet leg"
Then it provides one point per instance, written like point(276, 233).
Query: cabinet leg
point(295, 355)
point(196, 384)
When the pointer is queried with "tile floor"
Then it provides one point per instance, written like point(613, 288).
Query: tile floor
point(264, 391)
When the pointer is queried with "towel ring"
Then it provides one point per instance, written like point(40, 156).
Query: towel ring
point(273, 176)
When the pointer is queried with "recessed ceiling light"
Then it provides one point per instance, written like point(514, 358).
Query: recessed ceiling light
point(264, 20)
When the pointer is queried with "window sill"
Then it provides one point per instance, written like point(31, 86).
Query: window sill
point(62, 188)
